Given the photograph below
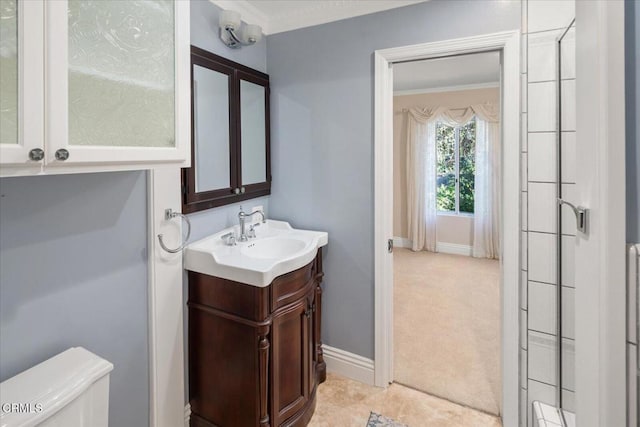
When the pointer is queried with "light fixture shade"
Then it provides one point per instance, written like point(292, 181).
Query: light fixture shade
point(230, 19)
point(252, 33)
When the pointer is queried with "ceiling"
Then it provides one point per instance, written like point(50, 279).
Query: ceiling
point(276, 16)
point(470, 71)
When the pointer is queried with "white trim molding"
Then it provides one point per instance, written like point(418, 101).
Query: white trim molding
point(348, 365)
point(508, 43)
point(454, 249)
point(402, 242)
point(458, 88)
point(166, 307)
point(302, 14)
point(441, 247)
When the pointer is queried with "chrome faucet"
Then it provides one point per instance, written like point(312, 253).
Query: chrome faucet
point(242, 218)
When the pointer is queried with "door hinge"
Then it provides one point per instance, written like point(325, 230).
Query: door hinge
point(390, 246)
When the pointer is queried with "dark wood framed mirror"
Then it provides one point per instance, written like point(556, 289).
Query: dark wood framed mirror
point(230, 134)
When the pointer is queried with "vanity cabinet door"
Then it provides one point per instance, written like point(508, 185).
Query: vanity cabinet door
point(291, 360)
point(117, 82)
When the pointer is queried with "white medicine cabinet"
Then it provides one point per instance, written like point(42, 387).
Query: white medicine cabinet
point(93, 85)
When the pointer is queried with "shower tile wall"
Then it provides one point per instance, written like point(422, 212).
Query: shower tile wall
point(542, 22)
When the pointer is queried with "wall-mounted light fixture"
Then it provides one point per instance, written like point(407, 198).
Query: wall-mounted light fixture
point(234, 34)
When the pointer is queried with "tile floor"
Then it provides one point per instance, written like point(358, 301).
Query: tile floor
point(342, 402)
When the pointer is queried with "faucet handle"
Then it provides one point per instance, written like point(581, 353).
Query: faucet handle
point(229, 238)
point(252, 230)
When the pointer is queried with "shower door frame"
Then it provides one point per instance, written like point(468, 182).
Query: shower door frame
point(600, 324)
point(508, 43)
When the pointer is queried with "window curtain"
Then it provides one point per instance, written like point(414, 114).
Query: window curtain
point(421, 181)
point(486, 218)
point(421, 175)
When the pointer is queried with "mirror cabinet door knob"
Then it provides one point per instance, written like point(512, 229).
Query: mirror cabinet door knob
point(62, 154)
point(36, 154)
point(236, 191)
point(242, 190)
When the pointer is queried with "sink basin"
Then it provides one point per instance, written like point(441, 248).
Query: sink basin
point(277, 249)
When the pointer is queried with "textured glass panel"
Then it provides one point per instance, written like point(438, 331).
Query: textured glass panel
point(8, 72)
point(254, 146)
point(121, 73)
point(467, 167)
point(446, 168)
point(211, 119)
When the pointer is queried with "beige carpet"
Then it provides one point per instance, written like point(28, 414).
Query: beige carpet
point(346, 403)
point(447, 327)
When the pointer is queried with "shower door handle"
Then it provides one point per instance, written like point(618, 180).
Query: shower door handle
point(581, 214)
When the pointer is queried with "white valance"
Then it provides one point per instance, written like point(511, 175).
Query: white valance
point(456, 116)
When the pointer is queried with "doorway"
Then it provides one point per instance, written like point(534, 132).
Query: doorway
point(446, 292)
point(507, 44)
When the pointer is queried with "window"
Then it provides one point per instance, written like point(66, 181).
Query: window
point(456, 168)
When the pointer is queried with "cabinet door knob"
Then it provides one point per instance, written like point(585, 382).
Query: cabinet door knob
point(236, 191)
point(62, 154)
point(242, 190)
point(36, 154)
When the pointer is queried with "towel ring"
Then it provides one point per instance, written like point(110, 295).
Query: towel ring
point(170, 214)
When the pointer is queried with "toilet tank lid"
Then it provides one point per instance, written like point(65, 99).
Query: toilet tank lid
point(49, 386)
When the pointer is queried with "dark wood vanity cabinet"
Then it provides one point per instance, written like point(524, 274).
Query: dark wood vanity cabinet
point(255, 354)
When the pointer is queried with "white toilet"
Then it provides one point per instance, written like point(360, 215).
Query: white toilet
point(68, 390)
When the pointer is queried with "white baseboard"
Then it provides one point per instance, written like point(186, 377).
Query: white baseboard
point(348, 364)
point(442, 247)
point(401, 242)
point(187, 414)
point(453, 248)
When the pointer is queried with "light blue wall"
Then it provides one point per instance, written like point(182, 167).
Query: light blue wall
point(73, 272)
point(632, 48)
point(322, 139)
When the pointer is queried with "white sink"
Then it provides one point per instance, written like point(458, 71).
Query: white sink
point(277, 249)
point(274, 247)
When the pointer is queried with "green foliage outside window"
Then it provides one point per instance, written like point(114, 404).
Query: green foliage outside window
point(447, 138)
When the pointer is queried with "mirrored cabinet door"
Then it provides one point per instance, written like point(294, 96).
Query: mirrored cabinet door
point(211, 130)
point(213, 172)
point(230, 133)
point(254, 131)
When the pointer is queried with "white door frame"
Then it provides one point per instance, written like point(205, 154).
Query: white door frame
point(166, 306)
point(600, 255)
point(509, 44)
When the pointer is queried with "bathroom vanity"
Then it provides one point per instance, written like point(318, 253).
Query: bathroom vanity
point(255, 307)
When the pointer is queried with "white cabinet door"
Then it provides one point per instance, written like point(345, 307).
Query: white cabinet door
point(21, 85)
point(117, 82)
